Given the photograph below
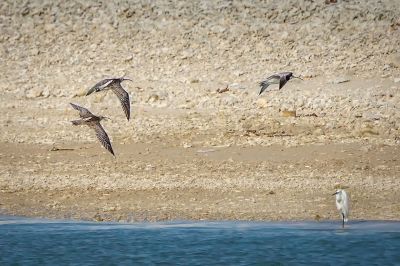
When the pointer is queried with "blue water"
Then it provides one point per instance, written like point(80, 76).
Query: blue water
point(43, 242)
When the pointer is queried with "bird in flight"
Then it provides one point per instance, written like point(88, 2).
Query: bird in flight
point(342, 204)
point(280, 78)
point(114, 84)
point(93, 121)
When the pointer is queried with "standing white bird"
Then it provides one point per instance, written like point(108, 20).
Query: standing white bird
point(342, 204)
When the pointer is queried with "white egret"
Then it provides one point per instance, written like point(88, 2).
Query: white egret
point(342, 204)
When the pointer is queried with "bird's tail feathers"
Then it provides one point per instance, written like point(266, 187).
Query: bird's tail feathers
point(77, 122)
point(346, 220)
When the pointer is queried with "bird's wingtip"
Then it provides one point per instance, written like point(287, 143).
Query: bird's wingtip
point(90, 91)
point(75, 106)
point(262, 89)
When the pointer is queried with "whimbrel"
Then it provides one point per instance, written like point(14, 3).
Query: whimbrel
point(93, 121)
point(280, 78)
point(114, 84)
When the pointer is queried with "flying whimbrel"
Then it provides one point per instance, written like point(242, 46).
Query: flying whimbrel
point(114, 84)
point(280, 78)
point(93, 121)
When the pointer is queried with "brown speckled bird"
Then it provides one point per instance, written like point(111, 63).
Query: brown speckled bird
point(93, 121)
point(114, 84)
point(280, 78)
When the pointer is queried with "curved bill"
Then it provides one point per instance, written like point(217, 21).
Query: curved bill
point(123, 78)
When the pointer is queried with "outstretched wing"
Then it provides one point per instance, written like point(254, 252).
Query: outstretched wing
point(264, 85)
point(274, 77)
point(123, 97)
point(282, 81)
point(100, 86)
point(83, 112)
point(102, 136)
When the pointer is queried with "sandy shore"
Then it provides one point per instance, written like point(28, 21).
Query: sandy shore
point(161, 181)
point(190, 152)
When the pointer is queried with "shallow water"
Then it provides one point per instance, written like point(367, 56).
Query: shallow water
point(32, 241)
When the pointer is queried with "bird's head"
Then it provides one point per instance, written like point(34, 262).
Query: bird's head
point(339, 191)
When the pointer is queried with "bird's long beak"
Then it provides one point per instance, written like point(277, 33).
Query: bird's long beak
point(123, 78)
point(297, 77)
point(91, 91)
point(334, 193)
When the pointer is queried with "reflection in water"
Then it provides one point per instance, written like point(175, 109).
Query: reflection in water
point(29, 241)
